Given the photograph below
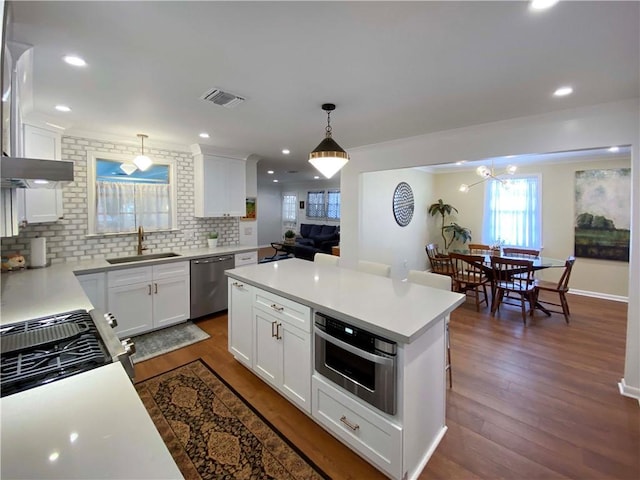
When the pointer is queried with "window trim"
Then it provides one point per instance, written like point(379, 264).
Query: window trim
point(92, 157)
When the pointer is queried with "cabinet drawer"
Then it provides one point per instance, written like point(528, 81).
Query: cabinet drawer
point(366, 432)
point(246, 258)
point(129, 276)
point(172, 269)
point(284, 309)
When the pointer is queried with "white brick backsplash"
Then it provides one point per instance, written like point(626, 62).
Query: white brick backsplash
point(67, 240)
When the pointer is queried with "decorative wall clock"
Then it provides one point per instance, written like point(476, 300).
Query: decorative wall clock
point(403, 204)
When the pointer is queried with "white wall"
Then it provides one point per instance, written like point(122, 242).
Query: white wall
point(615, 123)
point(387, 242)
point(269, 213)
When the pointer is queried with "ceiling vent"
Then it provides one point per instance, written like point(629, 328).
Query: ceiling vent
point(224, 99)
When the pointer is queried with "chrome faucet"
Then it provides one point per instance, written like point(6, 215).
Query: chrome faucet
point(141, 246)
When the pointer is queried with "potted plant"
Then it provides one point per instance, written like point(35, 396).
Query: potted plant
point(457, 232)
point(212, 240)
point(289, 237)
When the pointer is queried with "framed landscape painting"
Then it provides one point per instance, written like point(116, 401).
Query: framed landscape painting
point(603, 214)
point(251, 209)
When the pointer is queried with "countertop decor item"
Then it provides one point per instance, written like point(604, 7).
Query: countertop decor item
point(227, 438)
point(328, 157)
point(212, 240)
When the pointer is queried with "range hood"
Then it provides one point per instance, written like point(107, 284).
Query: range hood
point(34, 173)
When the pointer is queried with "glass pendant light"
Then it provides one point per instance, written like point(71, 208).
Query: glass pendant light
point(128, 168)
point(142, 161)
point(328, 157)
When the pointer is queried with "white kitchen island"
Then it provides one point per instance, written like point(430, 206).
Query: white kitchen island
point(271, 308)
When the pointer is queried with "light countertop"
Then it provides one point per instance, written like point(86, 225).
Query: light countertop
point(395, 309)
point(91, 425)
point(28, 294)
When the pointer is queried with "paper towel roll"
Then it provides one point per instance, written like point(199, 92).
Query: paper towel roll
point(39, 252)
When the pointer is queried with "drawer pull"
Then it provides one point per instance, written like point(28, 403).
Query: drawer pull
point(274, 334)
point(353, 427)
point(155, 288)
point(149, 289)
point(276, 307)
point(237, 284)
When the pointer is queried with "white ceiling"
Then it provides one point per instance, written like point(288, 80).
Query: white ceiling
point(394, 69)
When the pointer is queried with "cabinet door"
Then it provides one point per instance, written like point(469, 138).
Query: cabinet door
point(95, 287)
point(296, 365)
point(131, 305)
point(220, 186)
point(268, 349)
point(235, 173)
point(170, 301)
point(40, 205)
point(240, 318)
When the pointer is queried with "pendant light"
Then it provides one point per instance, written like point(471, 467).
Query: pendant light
point(128, 168)
point(328, 157)
point(142, 161)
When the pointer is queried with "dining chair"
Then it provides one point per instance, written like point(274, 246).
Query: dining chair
point(374, 267)
point(561, 289)
point(440, 263)
point(442, 282)
point(468, 276)
point(520, 252)
point(513, 276)
point(326, 259)
point(479, 249)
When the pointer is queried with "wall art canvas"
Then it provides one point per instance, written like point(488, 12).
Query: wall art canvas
point(251, 209)
point(603, 214)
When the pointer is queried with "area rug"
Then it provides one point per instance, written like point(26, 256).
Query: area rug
point(212, 432)
point(156, 343)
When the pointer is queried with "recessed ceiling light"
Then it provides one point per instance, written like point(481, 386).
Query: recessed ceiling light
point(461, 162)
point(542, 4)
point(614, 149)
point(63, 108)
point(563, 91)
point(204, 135)
point(285, 151)
point(275, 180)
point(74, 60)
point(41, 182)
point(270, 172)
point(316, 177)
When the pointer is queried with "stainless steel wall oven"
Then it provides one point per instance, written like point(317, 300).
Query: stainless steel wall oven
point(359, 361)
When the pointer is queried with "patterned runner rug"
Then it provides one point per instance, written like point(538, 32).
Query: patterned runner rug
point(212, 432)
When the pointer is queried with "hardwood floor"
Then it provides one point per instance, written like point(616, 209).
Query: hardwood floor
point(539, 401)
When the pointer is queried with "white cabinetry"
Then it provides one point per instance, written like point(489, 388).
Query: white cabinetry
point(147, 298)
point(241, 331)
point(246, 258)
point(220, 183)
point(282, 351)
point(41, 204)
point(95, 287)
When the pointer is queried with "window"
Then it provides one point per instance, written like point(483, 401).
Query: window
point(289, 211)
point(121, 202)
point(323, 205)
point(512, 213)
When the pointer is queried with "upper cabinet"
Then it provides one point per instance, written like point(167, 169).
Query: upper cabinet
point(220, 182)
point(42, 204)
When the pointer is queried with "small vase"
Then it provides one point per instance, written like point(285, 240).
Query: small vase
point(212, 242)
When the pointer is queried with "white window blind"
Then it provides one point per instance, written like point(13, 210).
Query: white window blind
point(512, 214)
point(289, 211)
point(323, 205)
point(333, 204)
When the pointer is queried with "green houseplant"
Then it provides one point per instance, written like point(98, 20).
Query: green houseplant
point(289, 237)
point(212, 240)
point(457, 232)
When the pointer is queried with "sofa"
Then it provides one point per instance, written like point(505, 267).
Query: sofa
point(315, 238)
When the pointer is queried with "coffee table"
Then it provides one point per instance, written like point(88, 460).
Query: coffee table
point(282, 250)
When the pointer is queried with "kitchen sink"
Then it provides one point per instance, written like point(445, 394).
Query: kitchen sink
point(137, 258)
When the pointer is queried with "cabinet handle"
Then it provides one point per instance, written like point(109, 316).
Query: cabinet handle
point(353, 427)
point(278, 336)
point(156, 288)
point(274, 334)
point(236, 284)
point(149, 288)
point(276, 307)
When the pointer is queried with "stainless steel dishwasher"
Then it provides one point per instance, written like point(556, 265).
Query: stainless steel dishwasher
point(209, 284)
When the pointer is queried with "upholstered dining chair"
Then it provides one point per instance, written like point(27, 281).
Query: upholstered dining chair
point(374, 267)
point(442, 282)
point(326, 259)
point(561, 289)
point(468, 276)
point(513, 276)
point(440, 263)
point(479, 249)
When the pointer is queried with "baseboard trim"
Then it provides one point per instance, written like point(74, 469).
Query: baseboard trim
point(603, 296)
point(628, 391)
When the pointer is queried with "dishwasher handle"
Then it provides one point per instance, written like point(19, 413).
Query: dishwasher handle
point(212, 260)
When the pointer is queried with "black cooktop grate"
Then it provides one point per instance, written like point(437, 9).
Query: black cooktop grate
point(42, 363)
